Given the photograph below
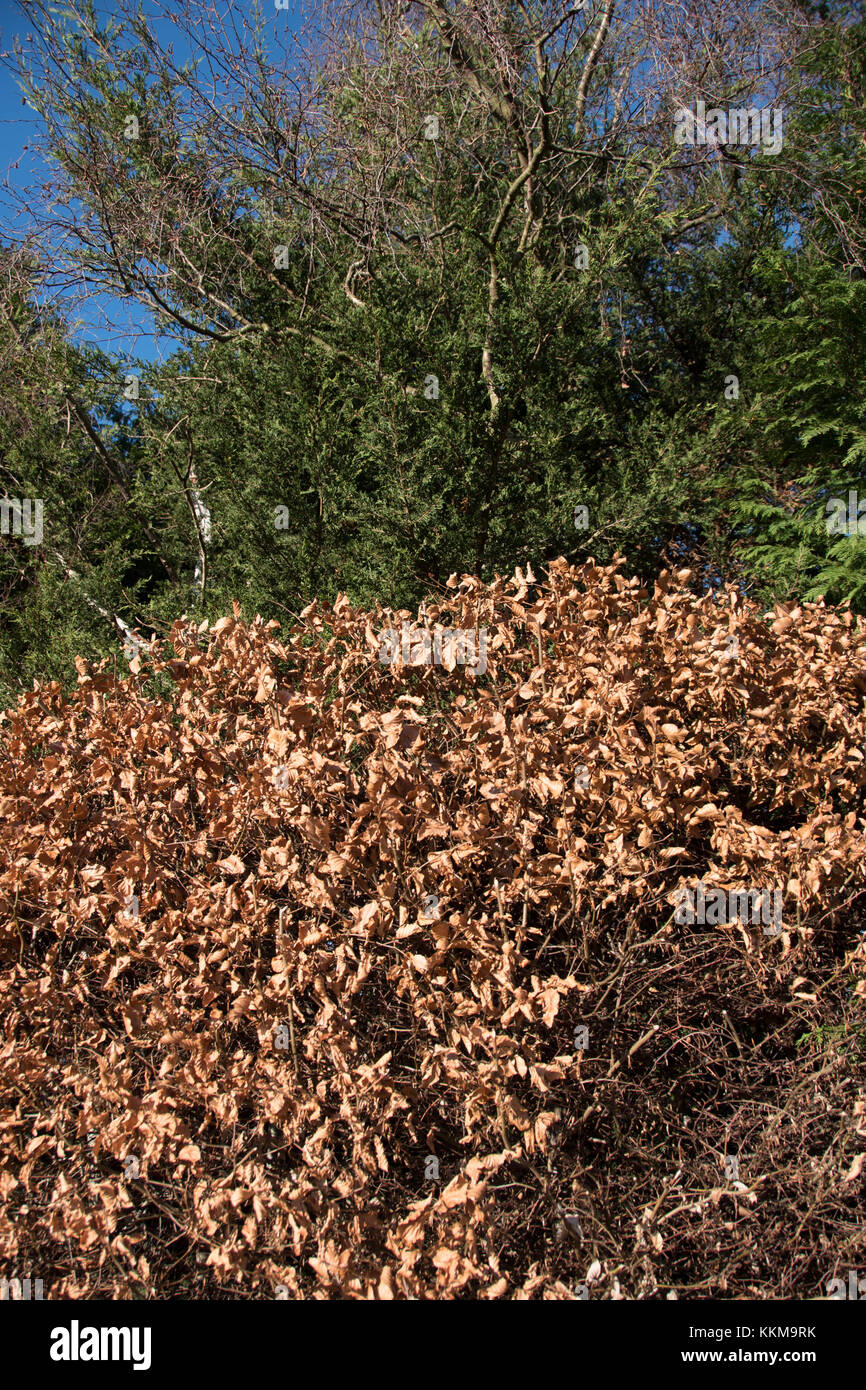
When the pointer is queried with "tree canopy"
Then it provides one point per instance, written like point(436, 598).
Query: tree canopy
point(447, 292)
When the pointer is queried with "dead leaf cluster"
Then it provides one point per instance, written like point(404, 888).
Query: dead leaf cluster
point(296, 948)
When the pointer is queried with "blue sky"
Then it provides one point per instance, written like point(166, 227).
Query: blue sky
point(116, 326)
point(111, 324)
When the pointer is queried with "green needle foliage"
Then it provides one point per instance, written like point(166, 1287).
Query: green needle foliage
point(404, 349)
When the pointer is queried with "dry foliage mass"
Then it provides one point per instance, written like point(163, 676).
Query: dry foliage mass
point(381, 954)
